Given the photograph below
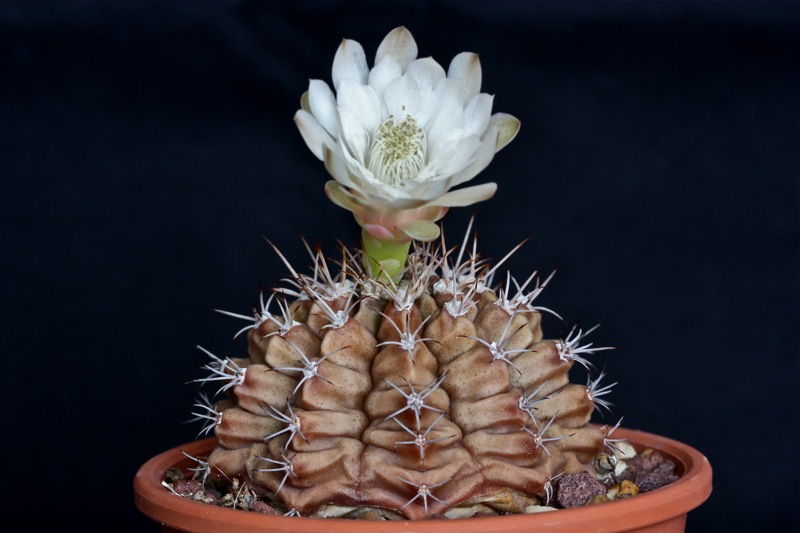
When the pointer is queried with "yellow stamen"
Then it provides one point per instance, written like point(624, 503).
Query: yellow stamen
point(398, 151)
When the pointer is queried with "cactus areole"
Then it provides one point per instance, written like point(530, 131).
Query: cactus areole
point(406, 379)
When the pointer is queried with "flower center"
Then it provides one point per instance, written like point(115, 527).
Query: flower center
point(397, 152)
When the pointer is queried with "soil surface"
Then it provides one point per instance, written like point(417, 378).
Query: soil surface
point(612, 480)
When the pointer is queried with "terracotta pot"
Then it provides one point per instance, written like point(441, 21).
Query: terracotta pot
point(662, 510)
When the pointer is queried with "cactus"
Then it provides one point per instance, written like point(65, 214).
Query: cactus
point(402, 378)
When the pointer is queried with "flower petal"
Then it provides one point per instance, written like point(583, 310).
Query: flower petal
point(401, 98)
point(362, 102)
point(400, 45)
point(453, 152)
point(477, 114)
point(359, 116)
point(425, 107)
point(362, 177)
point(507, 128)
point(355, 139)
point(466, 196)
point(349, 63)
point(379, 232)
point(339, 196)
point(337, 167)
point(425, 72)
point(449, 111)
point(420, 230)
point(482, 157)
point(322, 104)
point(466, 68)
point(313, 133)
point(383, 72)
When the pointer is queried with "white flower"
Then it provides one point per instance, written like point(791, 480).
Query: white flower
point(398, 137)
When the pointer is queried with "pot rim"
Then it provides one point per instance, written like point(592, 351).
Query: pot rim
point(675, 499)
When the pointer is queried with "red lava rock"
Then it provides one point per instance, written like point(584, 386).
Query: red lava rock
point(575, 490)
point(652, 480)
point(187, 487)
point(667, 467)
point(646, 461)
point(651, 470)
point(627, 475)
point(260, 507)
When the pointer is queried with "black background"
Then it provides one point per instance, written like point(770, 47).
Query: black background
point(146, 148)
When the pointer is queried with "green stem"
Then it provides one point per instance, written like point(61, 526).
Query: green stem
point(384, 258)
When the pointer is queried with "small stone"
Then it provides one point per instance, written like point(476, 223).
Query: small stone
point(653, 480)
point(626, 474)
point(604, 464)
point(187, 487)
point(172, 474)
point(667, 467)
point(577, 489)
point(624, 450)
point(532, 509)
point(259, 506)
point(627, 489)
point(600, 498)
point(646, 461)
point(371, 514)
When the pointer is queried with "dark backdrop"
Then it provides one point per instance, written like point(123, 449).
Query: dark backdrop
point(147, 147)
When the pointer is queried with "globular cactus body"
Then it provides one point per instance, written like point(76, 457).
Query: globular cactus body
point(417, 398)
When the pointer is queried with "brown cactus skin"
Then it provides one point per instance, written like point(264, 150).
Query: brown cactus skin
point(407, 403)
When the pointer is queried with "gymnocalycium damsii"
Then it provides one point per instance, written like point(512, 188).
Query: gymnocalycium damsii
point(404, 378)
